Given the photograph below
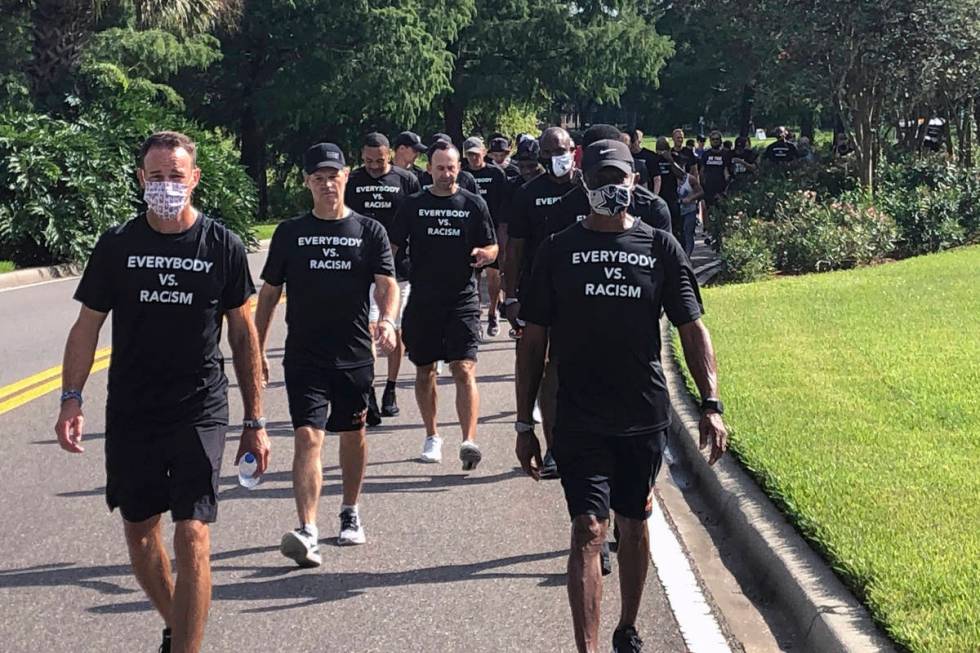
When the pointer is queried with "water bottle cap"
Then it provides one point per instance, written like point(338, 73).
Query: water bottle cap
point(249, 458)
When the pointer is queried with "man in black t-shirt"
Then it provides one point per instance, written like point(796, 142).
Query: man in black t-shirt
point(649, 158)
point(669, 175)
point(448, 233)
point(376, 190)
point(329, 258)
point(463, 179)
point(682, 152)
point(596, 293)
point(408, 146)
point(715, 165)
point(492, 182)
point(499, 153)
point(781, 151)
point(169, 277)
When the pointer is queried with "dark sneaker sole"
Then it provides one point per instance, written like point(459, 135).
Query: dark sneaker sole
point(470, 459)
point(550, 472)
point(390, 411)
point(295, 550)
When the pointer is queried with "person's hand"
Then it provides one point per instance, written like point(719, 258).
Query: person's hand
point(528, 451)
point(384, 337)
point(69, 426)
point(511, 312)
point(687, 200)
point(480, 258)
point(255, 441)
point(265, 370)
point(713, 432)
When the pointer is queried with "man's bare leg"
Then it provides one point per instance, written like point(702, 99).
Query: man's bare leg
point(585, 580)
point(548, 400)
point(192, 592)
point(307, 472)
point(425, 395)
point(151, 564)
point(494, 284)
point(634, 562)
point(395, 357)
point(467, 396)
point(353, 460)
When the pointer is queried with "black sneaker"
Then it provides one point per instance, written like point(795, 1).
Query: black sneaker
point(493, 326)
point(373, 414)
point(389, 403)
point(626, 640)
point(165, 645)
point(605, 560)
point(549, 468)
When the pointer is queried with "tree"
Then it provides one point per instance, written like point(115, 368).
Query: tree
point(543, 52)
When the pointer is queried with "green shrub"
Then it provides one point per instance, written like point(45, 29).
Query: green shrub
point(63, 183)
point(748, 254)
point(927, 217)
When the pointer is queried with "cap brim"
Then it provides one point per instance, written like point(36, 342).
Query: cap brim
point(336, 165)
point(476, 149)
point(619, 165)
point(419, 147)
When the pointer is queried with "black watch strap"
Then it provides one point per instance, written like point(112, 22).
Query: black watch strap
point(713, 404)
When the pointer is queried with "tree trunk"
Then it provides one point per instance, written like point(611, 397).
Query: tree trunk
point(254, 156)
point(745, 114)
point(453, 113)
point(59, 29)
point(967, 152)
point(806, 123)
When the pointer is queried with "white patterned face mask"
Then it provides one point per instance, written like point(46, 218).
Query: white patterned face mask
point(165, 198)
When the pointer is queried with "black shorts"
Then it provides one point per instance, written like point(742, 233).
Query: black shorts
point(599, 472)
point(434, 332)
point(151, 472)
point(311, 390)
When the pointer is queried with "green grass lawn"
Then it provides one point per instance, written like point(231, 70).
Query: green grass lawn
point(264, 231)
point(6, 266)
point(854, 399)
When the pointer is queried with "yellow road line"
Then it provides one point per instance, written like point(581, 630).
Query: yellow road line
point(37, 385)
point(46, 375)
point(41, 390)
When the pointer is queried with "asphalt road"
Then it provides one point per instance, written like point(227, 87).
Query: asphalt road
point(455, 561)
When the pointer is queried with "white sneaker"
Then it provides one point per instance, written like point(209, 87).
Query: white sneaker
point(301, 547)
point(432, 451)
point(351, 530)
point(470, 455)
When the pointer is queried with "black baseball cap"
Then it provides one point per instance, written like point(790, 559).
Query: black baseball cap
point(410, 139)
point(323, 155)
point(439, 136)
point(607, 153)
point(527, 150)
point(499, 144)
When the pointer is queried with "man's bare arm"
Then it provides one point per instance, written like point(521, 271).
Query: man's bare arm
point(83, 338)
point(246, 354)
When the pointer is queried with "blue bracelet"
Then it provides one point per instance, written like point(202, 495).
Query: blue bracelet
point(71, 394)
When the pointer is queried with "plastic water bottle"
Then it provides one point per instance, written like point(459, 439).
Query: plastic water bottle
point(246, 471)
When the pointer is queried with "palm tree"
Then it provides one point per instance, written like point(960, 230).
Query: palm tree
point(61, 28)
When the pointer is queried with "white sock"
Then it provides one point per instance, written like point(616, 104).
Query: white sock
point(344, 507)
point(311, 529)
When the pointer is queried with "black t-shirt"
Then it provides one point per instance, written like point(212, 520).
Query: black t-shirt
point(651, 160)
point(380, 197)
point(416, 171)
point(533, 204)
point(464, 180)
point(574, 207)
point(668, 180)
point(713, 164)
point(440, 233)
point(781, 152)
point(328, 267)
point(512, 171)
point(684, 157)
point(168, 294)
point(492, 182)
point(748, 155)
point(601, 294)
point(640, 167)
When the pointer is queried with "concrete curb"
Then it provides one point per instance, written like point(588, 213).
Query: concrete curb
point(828, 616)
point(28, 276)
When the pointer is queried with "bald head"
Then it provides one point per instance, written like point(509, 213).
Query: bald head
point(555, 138)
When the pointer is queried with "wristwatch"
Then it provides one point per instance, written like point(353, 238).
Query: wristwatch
point(713, 404)
point(257, 423)
point(523, 427)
